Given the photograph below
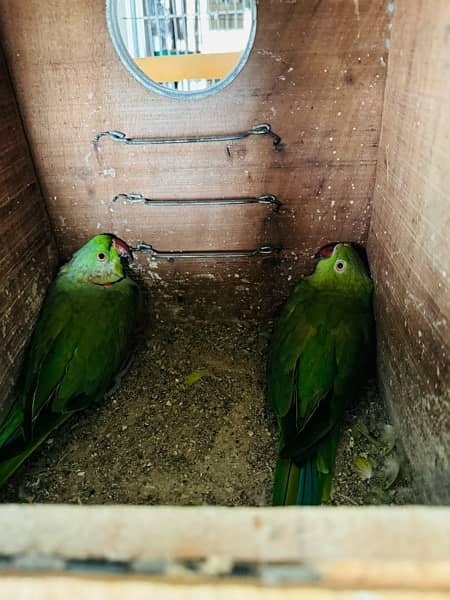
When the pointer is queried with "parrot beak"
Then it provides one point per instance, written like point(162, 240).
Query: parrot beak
point(122, 248)
point(327, 250)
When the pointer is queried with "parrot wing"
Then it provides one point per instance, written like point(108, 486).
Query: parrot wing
point(291, 335)
point(42, 375)
point(90, 350)
point(56, 312)
point(53, 318)
point(77, 347)
point(329, 373)
point(301, 361)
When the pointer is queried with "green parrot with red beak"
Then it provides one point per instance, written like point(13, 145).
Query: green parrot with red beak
point(79, 344)
point(319, 358)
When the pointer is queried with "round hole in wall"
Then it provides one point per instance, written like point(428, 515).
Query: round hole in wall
point(183, 48)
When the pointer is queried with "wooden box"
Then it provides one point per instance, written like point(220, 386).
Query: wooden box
point(359, 92)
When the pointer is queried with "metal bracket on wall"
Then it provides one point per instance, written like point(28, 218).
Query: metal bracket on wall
point(132, 198)
point(264, 250)
point(260, 129)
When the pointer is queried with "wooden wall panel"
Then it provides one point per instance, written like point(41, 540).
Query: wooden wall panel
point(316, 73)
point(28, 255)
point(409, 240)
point(181, 553)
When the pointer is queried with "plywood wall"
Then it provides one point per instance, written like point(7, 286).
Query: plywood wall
point(316, 73)
point(409, 240)
point(27, 254)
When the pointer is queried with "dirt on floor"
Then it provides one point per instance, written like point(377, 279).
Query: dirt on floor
point(189, 425)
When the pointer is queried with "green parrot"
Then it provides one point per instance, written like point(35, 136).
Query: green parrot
point(79, 344)
point(319, 358)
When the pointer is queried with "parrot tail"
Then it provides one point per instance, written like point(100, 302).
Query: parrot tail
point(309, 492)
point(11, 428)
point(10, 461)
point(287, 476)
point(294, 485)
point(309, 484)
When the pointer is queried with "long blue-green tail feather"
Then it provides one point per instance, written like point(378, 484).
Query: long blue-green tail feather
point(310, 484)
point(309, 492)
point(294, 485)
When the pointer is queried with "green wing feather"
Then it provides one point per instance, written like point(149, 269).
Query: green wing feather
point(290, 336)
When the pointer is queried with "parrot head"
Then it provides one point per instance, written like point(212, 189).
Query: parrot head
point(340, 267)
point(99, 261)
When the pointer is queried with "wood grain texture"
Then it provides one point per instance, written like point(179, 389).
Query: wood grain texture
point(409, 240)
point(191, 552)
point(316, 73)
point(28, 253)
point(252, 535)
point(39, 587)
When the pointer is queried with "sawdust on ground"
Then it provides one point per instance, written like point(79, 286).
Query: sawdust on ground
point(189, 425)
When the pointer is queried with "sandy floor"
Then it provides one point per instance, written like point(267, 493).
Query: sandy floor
point(189, 425)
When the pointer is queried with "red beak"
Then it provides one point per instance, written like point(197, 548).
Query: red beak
point(326, 251)
point(122, 248)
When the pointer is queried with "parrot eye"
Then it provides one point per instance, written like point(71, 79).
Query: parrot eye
point(101, 256)
point(340, 266)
